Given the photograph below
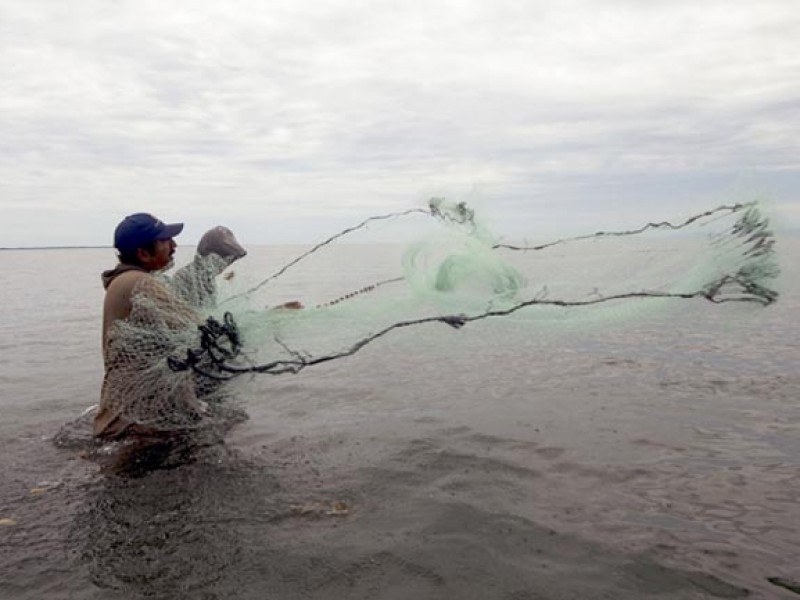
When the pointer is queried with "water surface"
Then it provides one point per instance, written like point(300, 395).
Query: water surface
point(654, 456)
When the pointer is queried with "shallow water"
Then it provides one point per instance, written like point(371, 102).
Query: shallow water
point(650, 456)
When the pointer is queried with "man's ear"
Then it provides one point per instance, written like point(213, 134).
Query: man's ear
point(143, 256)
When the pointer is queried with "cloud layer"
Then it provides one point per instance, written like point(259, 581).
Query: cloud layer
point(282, 118)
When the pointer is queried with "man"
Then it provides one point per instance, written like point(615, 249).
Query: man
point(145, 247)
point(146, 319)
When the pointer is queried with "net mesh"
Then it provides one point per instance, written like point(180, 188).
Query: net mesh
point(139, 386)
point(171, 362)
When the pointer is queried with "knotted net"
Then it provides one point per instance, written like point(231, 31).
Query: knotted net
point(173, 360)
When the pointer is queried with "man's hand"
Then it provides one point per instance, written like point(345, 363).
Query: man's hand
point(293, 305)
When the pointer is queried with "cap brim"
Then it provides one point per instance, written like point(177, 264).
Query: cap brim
point(170, 231)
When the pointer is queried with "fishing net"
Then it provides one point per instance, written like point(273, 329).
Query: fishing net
point(171, 362)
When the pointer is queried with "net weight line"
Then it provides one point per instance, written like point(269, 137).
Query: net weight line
point(731, 208)
point(221, 343)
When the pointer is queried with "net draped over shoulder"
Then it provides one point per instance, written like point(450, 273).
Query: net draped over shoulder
point(138, 387)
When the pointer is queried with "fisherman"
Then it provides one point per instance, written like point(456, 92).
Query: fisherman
point(145, 248)
point(139, 296)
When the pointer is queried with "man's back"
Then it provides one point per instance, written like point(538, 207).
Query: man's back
point(119, 291)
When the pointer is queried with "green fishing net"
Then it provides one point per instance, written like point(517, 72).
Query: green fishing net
point(172, 361)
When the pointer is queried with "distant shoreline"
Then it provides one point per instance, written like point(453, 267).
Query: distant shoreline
point(794, 233)
point(192, 245)
point(52, 247)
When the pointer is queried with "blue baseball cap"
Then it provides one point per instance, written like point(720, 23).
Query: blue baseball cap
point(141, 229)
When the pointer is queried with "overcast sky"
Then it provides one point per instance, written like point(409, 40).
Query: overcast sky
point(287, 120)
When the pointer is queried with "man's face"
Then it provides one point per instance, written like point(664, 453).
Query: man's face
point(161, 257)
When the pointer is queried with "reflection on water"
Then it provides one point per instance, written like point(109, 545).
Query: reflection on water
point(221, 526)
point(152, 531)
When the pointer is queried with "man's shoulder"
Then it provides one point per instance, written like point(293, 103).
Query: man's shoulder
point(119, 293)
point(128, 279)
point(133, 283)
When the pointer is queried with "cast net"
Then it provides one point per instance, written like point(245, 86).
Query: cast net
point(172, 361)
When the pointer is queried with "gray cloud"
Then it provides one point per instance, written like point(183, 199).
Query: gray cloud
point(304, 113)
